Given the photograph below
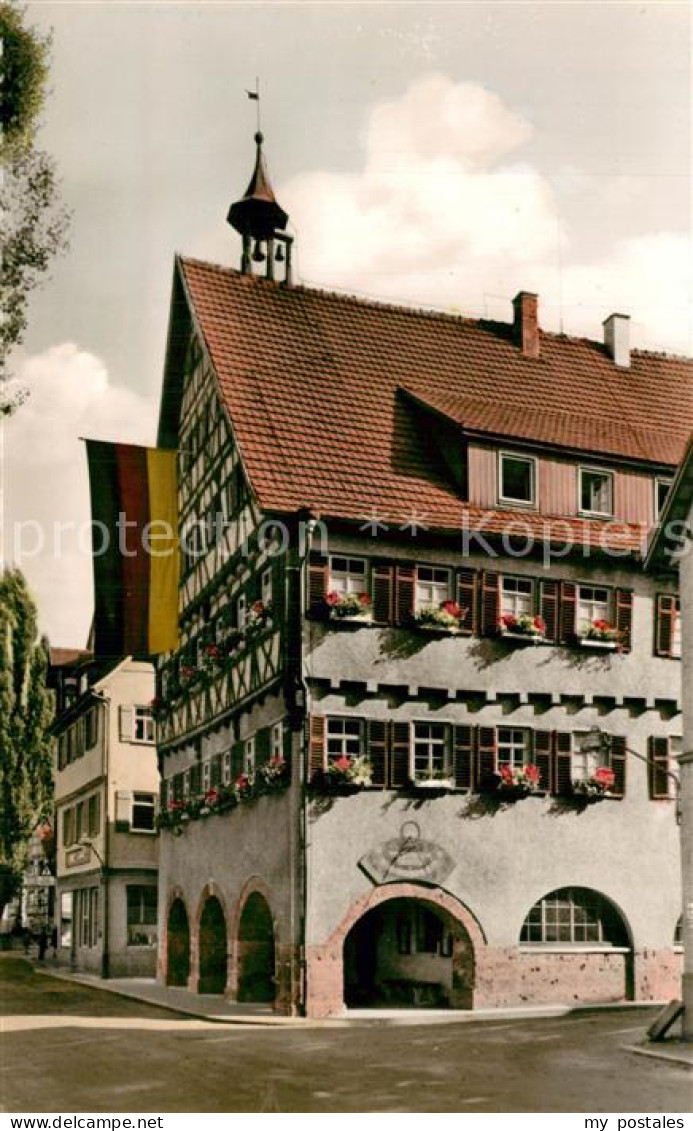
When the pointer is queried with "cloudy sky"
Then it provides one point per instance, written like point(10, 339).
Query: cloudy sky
point(445, 155)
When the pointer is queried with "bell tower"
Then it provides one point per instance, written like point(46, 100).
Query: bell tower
point(261, 222)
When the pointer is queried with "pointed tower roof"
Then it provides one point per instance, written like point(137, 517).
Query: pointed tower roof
point(257, 214)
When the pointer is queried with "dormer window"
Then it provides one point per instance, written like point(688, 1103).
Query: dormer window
point(596, 492)
point(517, 480)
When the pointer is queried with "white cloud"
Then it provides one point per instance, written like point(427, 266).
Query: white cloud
point(446, 213)
point(45, 474)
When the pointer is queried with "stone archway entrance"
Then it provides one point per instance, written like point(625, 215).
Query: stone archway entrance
point(177, 945)
point(408, 953)
point(256, 956)
point(213, 949)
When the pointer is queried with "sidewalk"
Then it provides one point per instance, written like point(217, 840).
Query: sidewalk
point(210, 1007)
point(672, 1049)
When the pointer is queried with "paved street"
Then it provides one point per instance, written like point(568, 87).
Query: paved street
point(71, 1048)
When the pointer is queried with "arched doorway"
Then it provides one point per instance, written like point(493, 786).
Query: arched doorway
point(213, 948)
point(408, 953)
point(177, 945)
point(578, 944)
point(256, 960)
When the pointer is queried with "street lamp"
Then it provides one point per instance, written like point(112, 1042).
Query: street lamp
point(596, 741)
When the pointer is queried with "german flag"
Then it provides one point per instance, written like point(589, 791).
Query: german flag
point(134, 505)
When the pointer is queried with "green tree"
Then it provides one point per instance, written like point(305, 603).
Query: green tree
point(26, 712)
point(33, 221)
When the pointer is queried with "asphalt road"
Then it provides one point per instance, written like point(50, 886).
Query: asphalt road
point(68, 1048)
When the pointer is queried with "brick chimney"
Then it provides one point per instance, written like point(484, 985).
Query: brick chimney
point(617, 338)
point(526, 323)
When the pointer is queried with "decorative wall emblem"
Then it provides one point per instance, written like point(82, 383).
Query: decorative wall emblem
point(76, 856)
point(407, 857)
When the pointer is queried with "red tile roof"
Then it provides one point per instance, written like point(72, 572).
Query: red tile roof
point(62, 657)
point(316, 385)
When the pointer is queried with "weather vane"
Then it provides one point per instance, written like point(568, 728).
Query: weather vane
point(254, 95)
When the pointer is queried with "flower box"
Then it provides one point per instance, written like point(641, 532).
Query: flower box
point(520, 781)
point(433, 783)
point(444, 618)
point(596, 787)
point(523, 637)
point(525, 628)
point(598, 634)
point(349, 607)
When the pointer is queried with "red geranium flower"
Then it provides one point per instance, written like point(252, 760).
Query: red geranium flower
point(540, 624)
point(333, 598)
point(258, 607)
point(242, 781)
point(533, 774)
point(212, 796)
point(342, 763)
point(364, 599)
point(508, 620)
point(604, 777)
point(452, 608)
point(212, 650)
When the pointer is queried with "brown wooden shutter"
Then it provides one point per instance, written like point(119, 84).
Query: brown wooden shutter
point(664, 626)
point(383, 592)
point(543, 742)
point(466, 599)
point(400, 746)
point(563, 763)
point(463, 756)
point(624, 618)
point(405, 584)
point(195, 779)
point(215, 771)
point(236, 760)
point(548, 607)
point(178, 787)
point(263, 746)
point(163, 797)
point(490, 603)
point(376, 743)
point(486, 757)
point(618, 765)
point(568, 612)
point(658, 765)
point(317, 730)
point(318, 580)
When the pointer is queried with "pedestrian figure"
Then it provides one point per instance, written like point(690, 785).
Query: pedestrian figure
point(27, 941)
point(42, 942)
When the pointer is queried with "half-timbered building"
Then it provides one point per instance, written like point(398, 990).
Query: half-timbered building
point(418, 744)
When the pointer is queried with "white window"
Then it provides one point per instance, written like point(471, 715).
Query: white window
point(675, 752)
point(142, 725)
point(347, 575)
point(432, 586)
point(141, 916)
point(226, 768)
point(517, 596)
point(143, 812)
point(596, 491)
point(585, 763)
point(206, 776)
point(661, 491)
point(593, 603)
point(66, 919)
point(517, 479)
point(249, 756)
point(266, 586)
point(514, 747)
point(676, 632)
point(186, 784)
point(574, 916)
point(431, 749)
point(277, 741)
point(241, 611)
point(344, 739)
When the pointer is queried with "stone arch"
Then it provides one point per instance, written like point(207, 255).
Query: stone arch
point(256, 946)
point(212, 941)
point(178, 951)
point(406, 890)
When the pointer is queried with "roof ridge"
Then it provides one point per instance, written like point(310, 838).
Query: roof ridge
point(432, 313)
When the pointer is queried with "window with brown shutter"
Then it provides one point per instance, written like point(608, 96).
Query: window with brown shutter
point(624, 618)
point(215, 772)
point(405, 585)
point(316, 746)
point(548, 607)
point(376, 741)
point(563, 763)
point(486, 757)
point(543, 743)
point(400, 746)
point(666, 633)
point(467, 582)
point(382, 575)
point(263, 746)
point(463, 756)
point(318, 577)
point(618, 765)
point(490, 603)
point(658, 768)
point(567, 612)
point(195, 779)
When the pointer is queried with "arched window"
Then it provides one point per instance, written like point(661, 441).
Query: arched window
point(574, 916)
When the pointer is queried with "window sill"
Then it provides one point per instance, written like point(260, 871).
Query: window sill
point(603, 645)
point(365, 621)
point(442, 785)
point(572, 948)
point(142, 832)
point(435, 629)
point(523, 637)
point(521, 504)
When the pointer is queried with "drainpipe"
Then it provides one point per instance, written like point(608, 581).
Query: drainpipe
point(105, 869)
